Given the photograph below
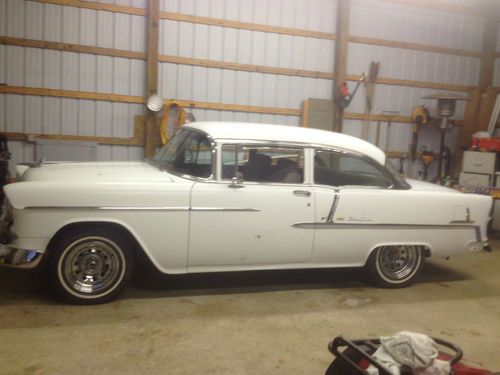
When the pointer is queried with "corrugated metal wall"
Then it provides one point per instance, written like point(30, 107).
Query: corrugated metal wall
point(248, 47)
point(77, 71)
point(33, 67)
point(390, 21)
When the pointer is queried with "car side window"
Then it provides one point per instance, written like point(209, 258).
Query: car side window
point(341, 169)
point(263, 164)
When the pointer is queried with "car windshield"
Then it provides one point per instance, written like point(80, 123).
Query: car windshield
point(402, 184)
point(186, 153)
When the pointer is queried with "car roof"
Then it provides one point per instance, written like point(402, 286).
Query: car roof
point(286, 133)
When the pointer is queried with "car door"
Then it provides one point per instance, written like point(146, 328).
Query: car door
point(246, 219)
point(353, 197)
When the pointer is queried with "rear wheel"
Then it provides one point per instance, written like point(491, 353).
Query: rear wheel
point(395, 266)
point(91, 265)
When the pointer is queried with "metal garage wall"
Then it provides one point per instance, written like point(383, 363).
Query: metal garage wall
point(248, 47)
point(33, 67)
point(385, 20)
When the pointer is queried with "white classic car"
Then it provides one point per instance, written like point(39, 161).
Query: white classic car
point(232, 196)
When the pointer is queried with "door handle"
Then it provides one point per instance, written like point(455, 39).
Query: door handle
point(302, 193)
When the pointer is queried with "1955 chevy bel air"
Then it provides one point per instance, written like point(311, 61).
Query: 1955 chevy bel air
point(232, 196)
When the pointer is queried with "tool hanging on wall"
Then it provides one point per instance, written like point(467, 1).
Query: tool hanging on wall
point(419, 117)
point(345, 97)
point(369, 92)
point(389, 116)
point(172, 118)
point(426, 158)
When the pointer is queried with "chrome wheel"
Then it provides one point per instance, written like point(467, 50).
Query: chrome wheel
point(91, 267)
point(397, 264)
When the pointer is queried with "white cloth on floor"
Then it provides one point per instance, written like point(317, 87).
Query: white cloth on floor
point(415, 350)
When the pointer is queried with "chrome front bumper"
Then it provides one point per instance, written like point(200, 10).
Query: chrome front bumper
point(12, 256)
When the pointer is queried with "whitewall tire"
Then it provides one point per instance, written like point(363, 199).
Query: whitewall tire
point(395, 266)
point(91, 265)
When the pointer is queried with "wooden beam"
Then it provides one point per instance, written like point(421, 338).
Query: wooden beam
point(193, 19)
point(417, 84)
point(340, 67)
point(469, 127)
point(412, 46)
point(246, 25)
point(263, 28)
point(398, 119)
point(14, 136)
point(38, 91)
point(245, 67)
point(234, 107)
point(70, 47)
point(304, 115)
point(97, 6)
point(151, 140)
point(489, 45)
point(136, 140)
point(77, 48)
point(376, 117)
point(4, 89)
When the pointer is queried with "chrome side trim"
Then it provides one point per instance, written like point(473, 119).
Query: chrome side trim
point(335, 203)
point(224, 209)
point(144, 208)
point(319, 225)
point(111, 208)
point(11, 256)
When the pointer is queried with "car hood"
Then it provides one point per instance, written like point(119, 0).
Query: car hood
point(93, 172)
point(418, 185)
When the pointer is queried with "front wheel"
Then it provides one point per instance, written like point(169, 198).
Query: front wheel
point(395, 266)
point(91, 265)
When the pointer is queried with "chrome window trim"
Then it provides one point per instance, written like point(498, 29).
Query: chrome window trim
point(187, 176)
point(240, 142)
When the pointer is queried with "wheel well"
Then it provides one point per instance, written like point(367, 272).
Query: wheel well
point(97, 224)
point(425, 248)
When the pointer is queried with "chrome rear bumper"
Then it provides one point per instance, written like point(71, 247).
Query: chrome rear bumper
point(12, 256)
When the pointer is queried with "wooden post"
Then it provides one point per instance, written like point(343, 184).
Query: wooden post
point(152, 135)
point(489, 44)
point(341, 44)
point(468, 128)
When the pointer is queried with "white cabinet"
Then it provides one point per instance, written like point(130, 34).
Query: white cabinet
point(478, 168)
point(473, 179)
point(479, 162)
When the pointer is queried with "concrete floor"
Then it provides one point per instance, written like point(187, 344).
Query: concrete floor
point(250, 323)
